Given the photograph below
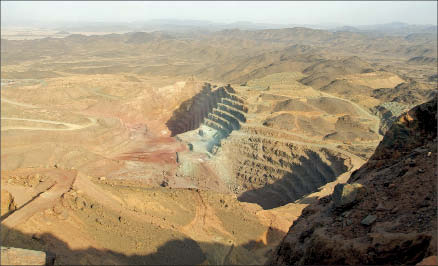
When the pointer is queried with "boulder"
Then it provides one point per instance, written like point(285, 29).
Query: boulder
point(346, 195)
point(369, 220)
point(19, 256)
point(8, 203)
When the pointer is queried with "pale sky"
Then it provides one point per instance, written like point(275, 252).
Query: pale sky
point(282, 12)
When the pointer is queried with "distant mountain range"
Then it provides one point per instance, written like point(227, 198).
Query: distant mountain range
point(394, 28)
point(175, 25)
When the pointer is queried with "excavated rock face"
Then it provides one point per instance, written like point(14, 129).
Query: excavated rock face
point(395, 222)
point(274, 173)
point(218, 108)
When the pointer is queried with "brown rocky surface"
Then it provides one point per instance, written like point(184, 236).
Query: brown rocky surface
point(394, 222)
point(407, 92)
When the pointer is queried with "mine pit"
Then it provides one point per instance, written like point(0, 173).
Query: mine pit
point(130, 149)
point(264, 171)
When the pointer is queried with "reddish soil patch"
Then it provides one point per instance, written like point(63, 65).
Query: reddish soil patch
point(156, 150)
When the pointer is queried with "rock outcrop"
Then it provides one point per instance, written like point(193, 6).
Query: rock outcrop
point(8, 203)
point(395, 222)
point(388, 112)
point(345, 195)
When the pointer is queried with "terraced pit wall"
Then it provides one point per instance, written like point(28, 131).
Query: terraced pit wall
point(218, 108)
point(272, 172)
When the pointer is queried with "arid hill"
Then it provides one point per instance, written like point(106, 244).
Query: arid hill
point(385, 213)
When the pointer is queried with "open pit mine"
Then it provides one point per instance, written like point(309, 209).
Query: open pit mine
point(179, 149)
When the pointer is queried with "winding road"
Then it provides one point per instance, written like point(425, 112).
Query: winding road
point(358, 107)
point(17, 103)
point(69, 126)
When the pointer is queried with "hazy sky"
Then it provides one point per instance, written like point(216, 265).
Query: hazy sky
point(310, 12)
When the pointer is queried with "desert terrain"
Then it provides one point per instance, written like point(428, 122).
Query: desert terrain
point(192, 147)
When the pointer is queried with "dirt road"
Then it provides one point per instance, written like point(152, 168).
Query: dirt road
point(68, 125)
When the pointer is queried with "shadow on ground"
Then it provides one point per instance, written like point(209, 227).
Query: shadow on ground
point(304, 178)
point(175, 252)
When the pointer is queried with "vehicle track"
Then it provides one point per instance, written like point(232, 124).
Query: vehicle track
point(361, 109)
point(69, 126)
point(3, 99)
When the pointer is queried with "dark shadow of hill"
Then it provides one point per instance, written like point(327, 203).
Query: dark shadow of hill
point(268, 197)
point(190, 113)
point(305, 178)
point(174, 252)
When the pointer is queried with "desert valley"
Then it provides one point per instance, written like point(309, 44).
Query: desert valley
point(219, 147)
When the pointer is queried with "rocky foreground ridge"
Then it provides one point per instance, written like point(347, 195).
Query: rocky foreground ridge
point(387, 211)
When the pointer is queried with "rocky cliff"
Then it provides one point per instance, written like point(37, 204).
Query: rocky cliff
point(385, 214)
